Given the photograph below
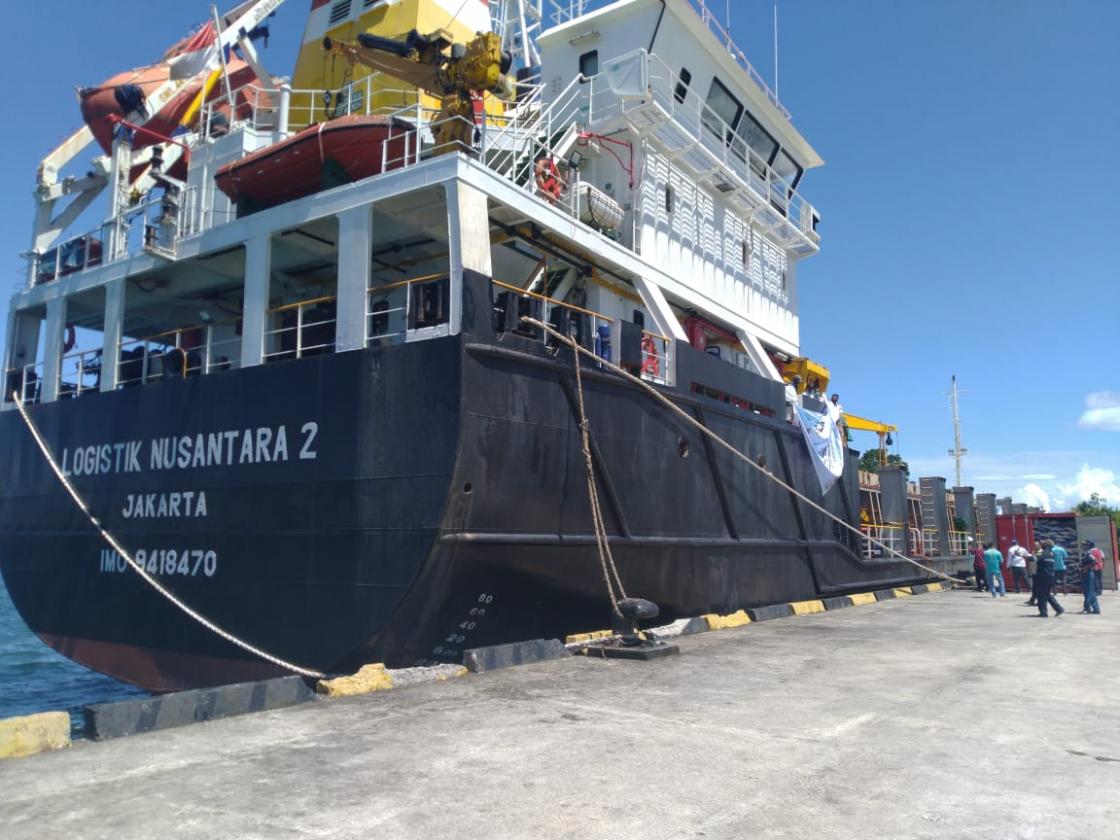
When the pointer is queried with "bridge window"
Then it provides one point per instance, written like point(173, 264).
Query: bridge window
point(758, 139)
point(724, 106)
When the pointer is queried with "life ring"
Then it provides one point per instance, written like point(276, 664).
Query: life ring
point(548, 178)
point(70, 340)
point(650, 363)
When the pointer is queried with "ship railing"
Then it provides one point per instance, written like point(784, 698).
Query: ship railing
point(70, 256)
point(27, 380)
point(958, 543)
point(79, 372)
point(177, 354)
point(646, 92)
point(307, 327)
point(562, 12)
point(291, 110)
point(917, 543)
point(396, 310)
point(874, 536)
point(930, 544)
point(656, 364)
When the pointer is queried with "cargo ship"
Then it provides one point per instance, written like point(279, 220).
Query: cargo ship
point(291, 371)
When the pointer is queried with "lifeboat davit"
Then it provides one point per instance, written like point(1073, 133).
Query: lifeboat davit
point(330, 154)
point(124, 93)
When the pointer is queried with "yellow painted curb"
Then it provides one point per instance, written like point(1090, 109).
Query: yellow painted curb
point(722, 622)
point(807, 607)
point(587, 637)
point(20, 736)
point(369, 678)
point(937, 587)
point(862, 598)
point(903, 592)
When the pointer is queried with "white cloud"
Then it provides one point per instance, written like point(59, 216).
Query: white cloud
point(1038, 477)
point(1092, 480)
point(1102, 411)
point(1034, 496)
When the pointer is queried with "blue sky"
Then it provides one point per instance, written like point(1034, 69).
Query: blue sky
point(970, 205)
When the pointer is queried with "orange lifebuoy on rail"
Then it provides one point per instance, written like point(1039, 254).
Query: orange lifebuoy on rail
point(650, 362)
point(70, 340)
point(548, 178)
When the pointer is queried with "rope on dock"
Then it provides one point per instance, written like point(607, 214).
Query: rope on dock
point(140, 570)
point(661, 398)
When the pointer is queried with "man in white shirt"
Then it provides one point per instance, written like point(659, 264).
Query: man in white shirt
point(793, 399)
point(1017, 557)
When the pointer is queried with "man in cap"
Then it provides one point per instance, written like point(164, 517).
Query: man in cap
point(1017, 561)
point(1092, 565)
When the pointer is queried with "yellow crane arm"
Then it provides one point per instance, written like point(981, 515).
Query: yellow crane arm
point(862, 424)
point(409, 70)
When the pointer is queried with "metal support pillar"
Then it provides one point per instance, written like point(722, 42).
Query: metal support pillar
point(758, 355)
point(355, 242)
point(52, 347)
point(111, 336)
point(468, 240)
point(258, 274)
point(895, 504)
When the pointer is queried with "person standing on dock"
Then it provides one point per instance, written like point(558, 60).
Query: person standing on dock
point(1092, 564)
point(992, 559)
point(1017, 562)
point(1032, 573)
point(1043, 582)
point(979, 568)
point(1060, 556)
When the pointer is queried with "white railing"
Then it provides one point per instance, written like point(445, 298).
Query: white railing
point(656, 359)
point(79, 372)
point(306, 327)
point(888, 534)
point(177, 354)
point(27, 379)
point(392, 312)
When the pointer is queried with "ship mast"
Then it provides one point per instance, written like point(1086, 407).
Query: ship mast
point(957, 451)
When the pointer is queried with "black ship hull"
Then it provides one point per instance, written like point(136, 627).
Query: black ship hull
point(402, 504)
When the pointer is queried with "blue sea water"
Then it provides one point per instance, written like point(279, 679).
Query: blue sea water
point(33, 678)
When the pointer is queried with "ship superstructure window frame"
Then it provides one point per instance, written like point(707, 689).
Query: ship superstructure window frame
point(684, 79)
point(757, 139)
point(589, 64)
point(715, 104)
point(779, 175)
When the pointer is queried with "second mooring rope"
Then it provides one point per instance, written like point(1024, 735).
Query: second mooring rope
point(606, 559)
point(140, 570)
point(657, 395)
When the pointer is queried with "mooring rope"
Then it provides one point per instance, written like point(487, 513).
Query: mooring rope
point(606, 559)
point(657, 395)
point(140, 570)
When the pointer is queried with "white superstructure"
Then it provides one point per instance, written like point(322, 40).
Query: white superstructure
point(650, 176)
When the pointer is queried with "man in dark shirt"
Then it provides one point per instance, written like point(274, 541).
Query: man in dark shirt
point(1044, 582)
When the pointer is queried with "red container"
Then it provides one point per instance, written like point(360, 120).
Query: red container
point(1028, 528)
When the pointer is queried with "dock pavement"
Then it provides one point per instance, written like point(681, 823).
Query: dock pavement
point(949, 715)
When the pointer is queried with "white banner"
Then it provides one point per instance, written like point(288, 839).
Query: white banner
point(822, 436)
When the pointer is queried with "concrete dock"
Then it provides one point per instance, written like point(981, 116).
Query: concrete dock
point(945, 715)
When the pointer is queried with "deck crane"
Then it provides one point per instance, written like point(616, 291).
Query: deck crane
point(453, 71)
point(884, 430)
